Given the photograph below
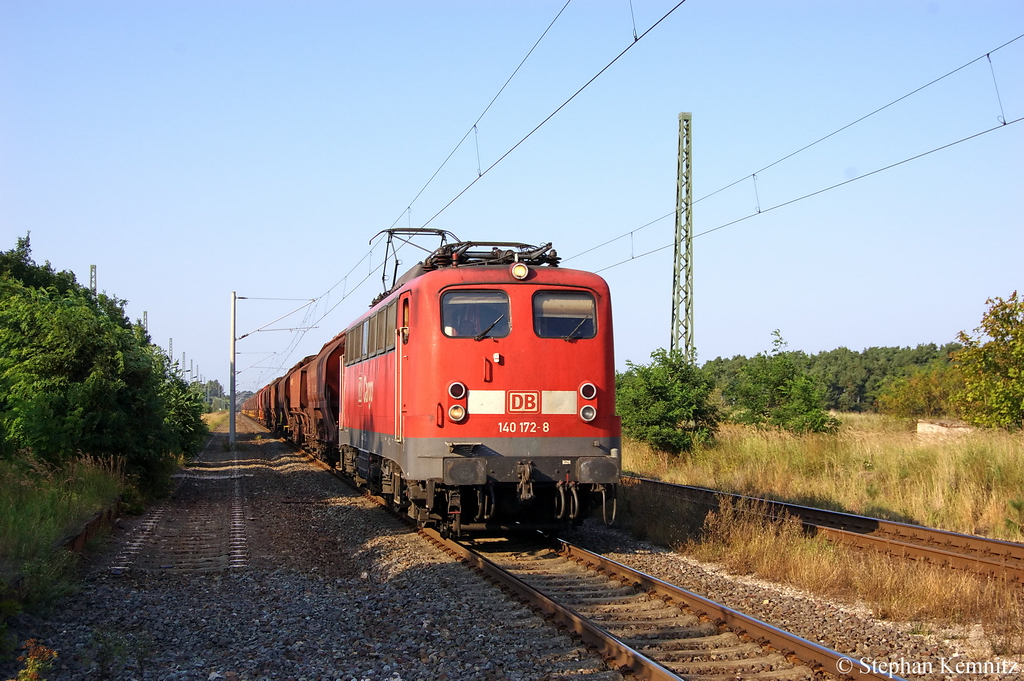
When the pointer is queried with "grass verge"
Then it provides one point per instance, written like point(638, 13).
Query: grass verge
point(875, 466)
point(215, 419)
point(739, 537)
point(39, 507)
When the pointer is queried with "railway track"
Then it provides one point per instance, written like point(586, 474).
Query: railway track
point(201, 528)
point(987, 557)
point(643, 626)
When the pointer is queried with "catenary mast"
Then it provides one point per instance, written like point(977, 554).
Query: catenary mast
point(682, 263)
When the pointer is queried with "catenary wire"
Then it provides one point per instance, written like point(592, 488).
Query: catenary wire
point(308, 303)
point(473, 128)
point(987, 55)
point(552, 114)
point(823, 190)
point(480, 174)
point(305, 328)
point(862, 118)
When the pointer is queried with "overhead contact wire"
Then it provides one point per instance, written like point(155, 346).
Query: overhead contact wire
point(553, 113)
point(473, 128)
point(753, 175)
point(825, 189)
point(480, 174)
point(621, 236)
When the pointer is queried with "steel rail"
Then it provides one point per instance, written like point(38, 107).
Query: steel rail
point(623, 656)
point(930, 554)
point(612, 649)
point(816, 656)
point(984, 556)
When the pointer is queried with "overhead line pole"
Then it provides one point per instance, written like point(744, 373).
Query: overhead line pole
point(682, 280)
point(231, 407)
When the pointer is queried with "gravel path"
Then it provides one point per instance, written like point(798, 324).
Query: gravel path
point(870, 643)
point(325, 586)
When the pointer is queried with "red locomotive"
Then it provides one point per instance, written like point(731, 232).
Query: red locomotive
point(478, 393)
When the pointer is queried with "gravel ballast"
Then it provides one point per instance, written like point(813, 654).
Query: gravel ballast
point(332, 588)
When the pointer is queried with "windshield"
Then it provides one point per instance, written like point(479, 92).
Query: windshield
point(475, 314)
point(564, 314)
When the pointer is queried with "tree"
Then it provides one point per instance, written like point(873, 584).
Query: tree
point(926, 392)
point(17, 265)
point(667, 403)
point(76, 377)
point(993, 369)
point(851, 379)
point(213, 389)
point(774, 391)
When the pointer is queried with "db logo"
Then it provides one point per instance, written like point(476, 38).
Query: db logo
point(524, 402)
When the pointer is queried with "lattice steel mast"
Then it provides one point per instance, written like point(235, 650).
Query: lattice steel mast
point(682, 282)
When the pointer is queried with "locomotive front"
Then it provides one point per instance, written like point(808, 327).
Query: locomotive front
point(503, 397)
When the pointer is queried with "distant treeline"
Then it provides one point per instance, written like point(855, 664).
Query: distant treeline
point(674, 406)
point(851, 379)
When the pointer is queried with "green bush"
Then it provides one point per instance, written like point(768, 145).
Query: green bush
point(773, 391)
point(76, 377)
point(667, 403)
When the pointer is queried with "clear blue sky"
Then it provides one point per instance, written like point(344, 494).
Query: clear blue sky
point(191, 149)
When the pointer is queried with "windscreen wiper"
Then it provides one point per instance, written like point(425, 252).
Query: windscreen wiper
point(573, 332)
point(483, 334)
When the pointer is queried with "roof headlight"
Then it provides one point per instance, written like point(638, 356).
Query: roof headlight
point(520, 271)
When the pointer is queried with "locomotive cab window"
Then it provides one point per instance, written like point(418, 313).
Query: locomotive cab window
point(564, 314)
point(475, 314)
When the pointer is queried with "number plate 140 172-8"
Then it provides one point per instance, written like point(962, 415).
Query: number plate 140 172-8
point(523, 427)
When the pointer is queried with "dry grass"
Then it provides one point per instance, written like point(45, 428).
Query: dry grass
point(215, 420)
point(875, 466)
point(39, 506)
point(743, 540)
